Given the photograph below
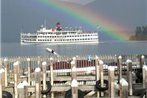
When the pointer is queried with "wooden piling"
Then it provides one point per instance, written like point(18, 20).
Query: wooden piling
point(101, 74)
point(44, 64)
point(6, 71)
point(37, 82)
point(119, 68)
point(97, 72)
point(129, 76)
point(111, 82)
point(144, 74)
point(146, 81)
point(142, 61)
point(20, 88)
point(51, 75)
point(123, 88)
point(74, 83)
point(74, 88)
point(16, 68)
point(29, 70)
point(1, 75)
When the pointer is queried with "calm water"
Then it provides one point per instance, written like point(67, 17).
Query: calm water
point(105, 48)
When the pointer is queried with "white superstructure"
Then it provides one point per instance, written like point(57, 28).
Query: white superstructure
point(59, 36)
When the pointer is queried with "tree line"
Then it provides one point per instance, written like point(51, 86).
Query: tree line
point(140, 33)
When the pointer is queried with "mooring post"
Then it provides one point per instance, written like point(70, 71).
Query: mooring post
point(101, 75)
point(20, 88)
point(16, 68)
point(37, 82)
point(26, 91)
point(29, 70)
point(142, 61)
point(6, 71)
point(73, 69)
point(123, 88)
point(111, 82)
point(0, 86)
point(52, 77)
point(119, 68)
point(25, 84)
point(144, 74)
point(74, 83)
point(74, 88)
point(97, 72)
point(44, 64)
point(129, 76)
point(146, 81)
point(1, 73)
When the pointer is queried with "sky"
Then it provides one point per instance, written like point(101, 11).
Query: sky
point(113, 15)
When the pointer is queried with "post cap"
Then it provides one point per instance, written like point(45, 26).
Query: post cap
point(74, 83)
point(144, 67)
point(96, 57)
point(2, 70)
point(16, 63)
point(73, 62)
point(120, 57)
point(123, 82)
point(28, 59)
point(20, 85)
point(129, 61)
point(5, 60)
point(44, 63)
point(142, 56)
point(74, 58)
point(25, 83)
point(51, 59)
point(37, 69)
point(101, 62)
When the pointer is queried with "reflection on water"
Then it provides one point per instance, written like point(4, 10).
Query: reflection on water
point(15, 49)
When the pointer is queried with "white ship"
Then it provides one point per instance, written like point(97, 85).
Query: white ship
point(58, 35)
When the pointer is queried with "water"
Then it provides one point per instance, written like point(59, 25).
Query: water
point(105, 48)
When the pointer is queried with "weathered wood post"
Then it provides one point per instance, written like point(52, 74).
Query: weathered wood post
point(0, 86)
point(101, 74)
point(146, 81)
point(74, 83)
point(74, 88)
point(129, 76)
point(37, 82)
point(97, 72)
point(142, 61)
point(29, 70)
point(51, 75)
point(111, 82)
point(16, 75)
point(25, 83)
point(20, 88)
point(44, 64)
point(123, 88)
point(144, 74)
point(6, 71)
point(1, 73)
point(119, 68)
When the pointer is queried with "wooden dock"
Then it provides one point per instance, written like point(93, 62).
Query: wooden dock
point(104, 76)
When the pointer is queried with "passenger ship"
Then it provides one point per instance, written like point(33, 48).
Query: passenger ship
point(58, 35)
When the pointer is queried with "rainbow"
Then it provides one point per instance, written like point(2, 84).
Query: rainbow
point(114, 30)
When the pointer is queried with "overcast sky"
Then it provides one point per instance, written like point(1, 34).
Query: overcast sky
point(28, 15)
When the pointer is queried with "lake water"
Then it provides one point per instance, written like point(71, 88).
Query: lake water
point(105, 48)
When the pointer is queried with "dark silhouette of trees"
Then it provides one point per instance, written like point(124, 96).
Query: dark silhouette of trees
point(140, 33)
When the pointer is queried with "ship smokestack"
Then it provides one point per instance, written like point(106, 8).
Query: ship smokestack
point(58, 26)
